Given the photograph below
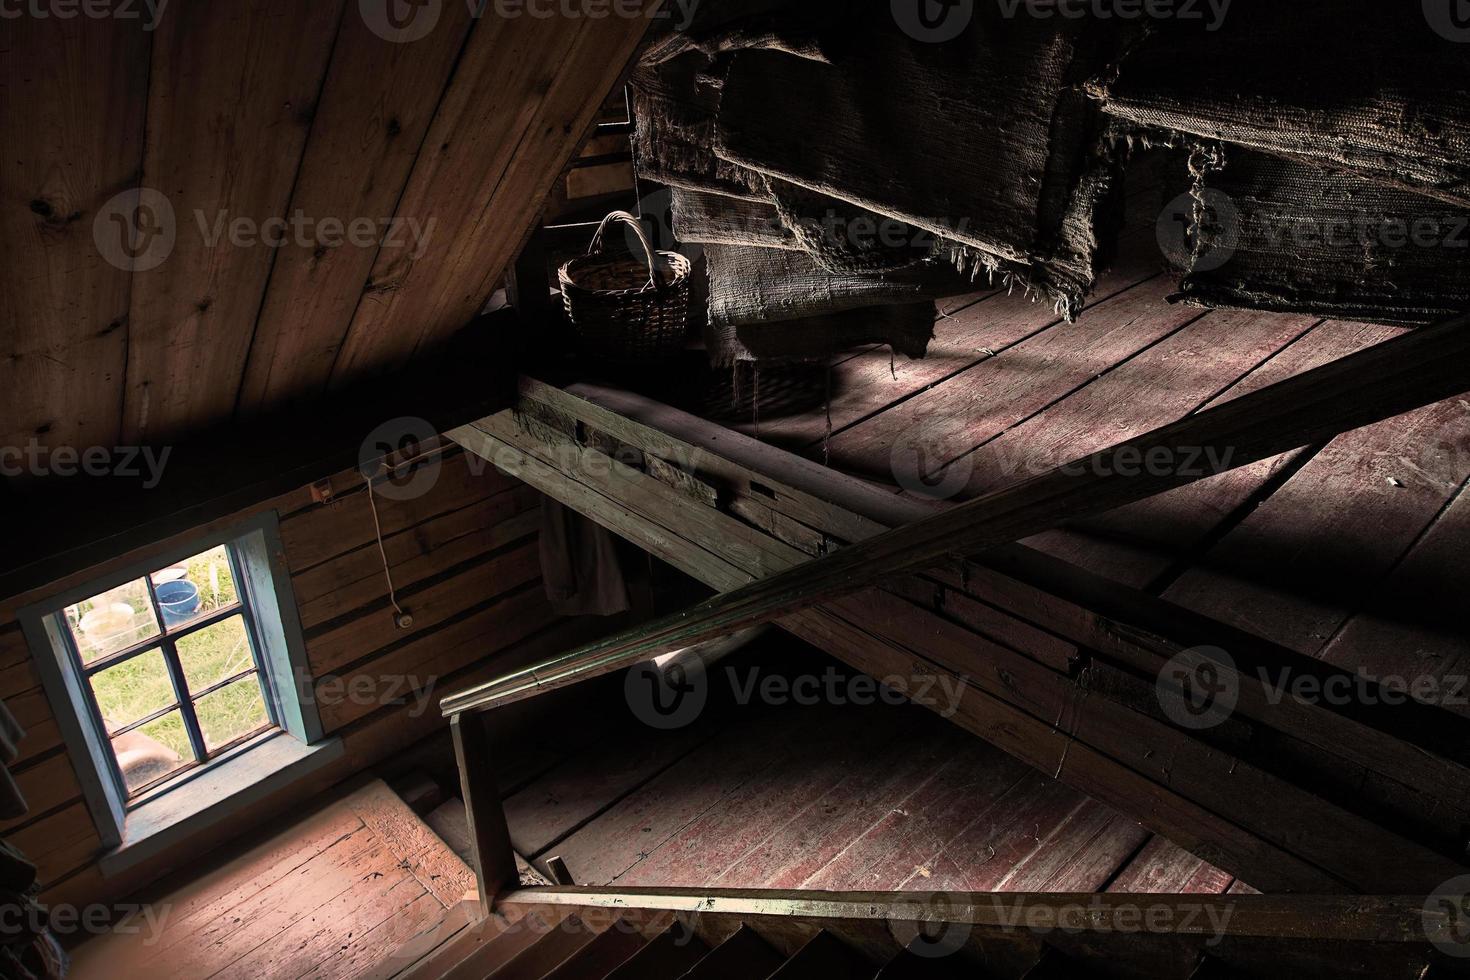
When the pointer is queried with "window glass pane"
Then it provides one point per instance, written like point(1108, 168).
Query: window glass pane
point(195, 587)
point(230, 712)
point(133, 689)
point(214, 653)
point(115, 620)
point(151, 751)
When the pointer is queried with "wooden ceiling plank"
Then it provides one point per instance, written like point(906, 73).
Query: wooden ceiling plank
point(72, 128)
point(379, 99)
point(525, 95)
point(230, 103)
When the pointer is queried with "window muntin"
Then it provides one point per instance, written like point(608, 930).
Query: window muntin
point(171, 666)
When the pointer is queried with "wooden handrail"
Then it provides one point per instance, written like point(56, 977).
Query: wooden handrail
point(1389, 379)
point(1341, 918)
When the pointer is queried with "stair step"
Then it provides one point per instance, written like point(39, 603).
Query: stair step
point(475, 951)
point(743, 956)
point(449, 821)
point(824, 956)
point(602, 955)
point(419, 790)
point(909, 965)
point(672, 953)
point(549, 951)
point(1056, 965)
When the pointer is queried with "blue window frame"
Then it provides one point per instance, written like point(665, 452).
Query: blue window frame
point(183, 678)
point(187, 649)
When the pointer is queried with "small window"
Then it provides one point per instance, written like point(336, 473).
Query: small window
point(183, 679)
point(172, 666)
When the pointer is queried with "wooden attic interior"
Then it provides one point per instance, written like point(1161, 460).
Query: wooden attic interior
point(817, 610)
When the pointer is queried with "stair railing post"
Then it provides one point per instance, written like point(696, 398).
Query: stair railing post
point(494, 858)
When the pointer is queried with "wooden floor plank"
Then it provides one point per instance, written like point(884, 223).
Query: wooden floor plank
point(949, 420)
point(718, 841)
point(890, 852)
point(1164, 867)
point(240, 930)
point(1174, 378)
point(969, 329)
point(1081, 855)
point(331, 896)
point(1313, 553)
point(627, 833)
point(579, 789)
point(416, 847)
point(855, 803)
point(1413, 626)
point(313, 941)
point(1000, 838)
point(1139, 543)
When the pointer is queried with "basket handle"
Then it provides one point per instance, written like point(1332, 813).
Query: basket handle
point(637, 227)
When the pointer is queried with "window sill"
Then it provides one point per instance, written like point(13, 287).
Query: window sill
point(205, 800)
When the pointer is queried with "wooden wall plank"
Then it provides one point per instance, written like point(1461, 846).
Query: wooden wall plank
point(431, 606)
point(416, 671)
point(525, 93)
point(325, 531)
point(74, 94)
point(376, 106)
point(353, 580)
point(231, 95)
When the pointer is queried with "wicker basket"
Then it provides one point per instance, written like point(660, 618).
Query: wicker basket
point(623, 309)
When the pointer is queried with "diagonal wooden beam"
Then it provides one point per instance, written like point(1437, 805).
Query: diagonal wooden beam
point(1390, 379)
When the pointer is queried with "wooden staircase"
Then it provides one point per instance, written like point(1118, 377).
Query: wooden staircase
point(570, 933)
point(579, 948)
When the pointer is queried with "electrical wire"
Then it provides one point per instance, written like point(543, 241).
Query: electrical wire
point(386, 471)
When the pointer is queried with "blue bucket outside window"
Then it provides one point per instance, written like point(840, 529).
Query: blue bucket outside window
point(178, 601)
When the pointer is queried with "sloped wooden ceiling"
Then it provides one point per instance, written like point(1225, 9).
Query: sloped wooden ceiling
point(333, 110)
